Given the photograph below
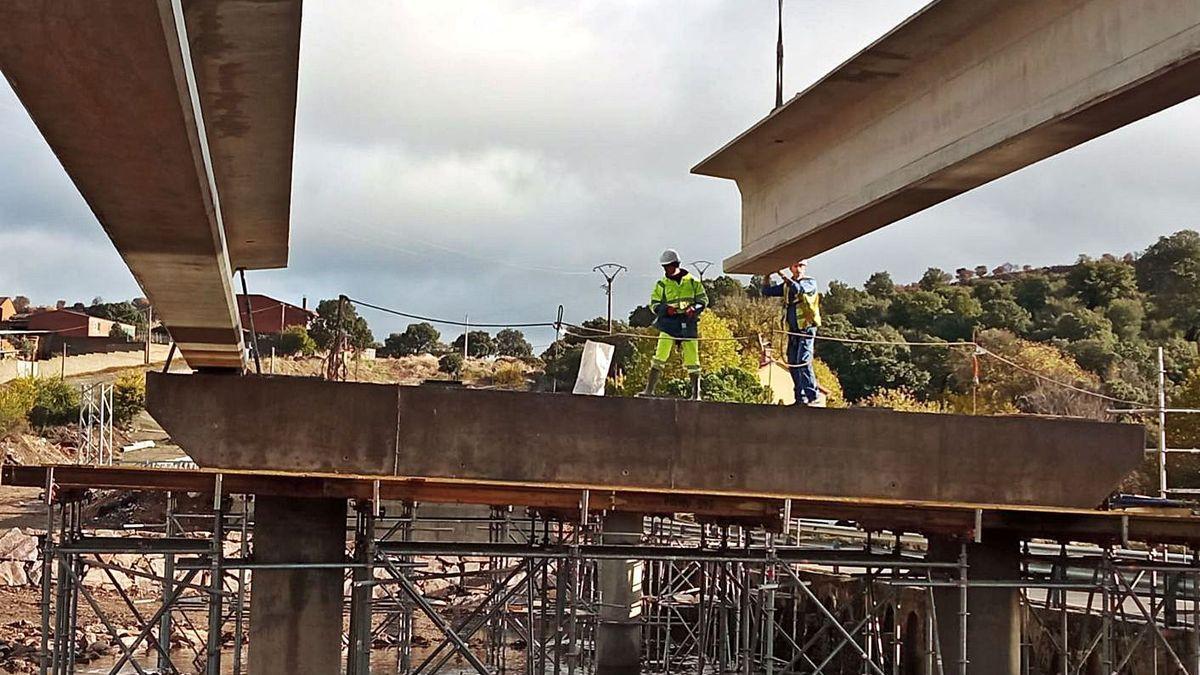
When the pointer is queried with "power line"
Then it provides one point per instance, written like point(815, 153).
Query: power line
point(450, 322)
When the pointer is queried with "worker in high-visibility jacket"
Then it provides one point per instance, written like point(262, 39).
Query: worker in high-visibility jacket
point(677, 301)
point(801, 318)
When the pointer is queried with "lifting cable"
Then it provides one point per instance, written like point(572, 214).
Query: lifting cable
point(779, 62)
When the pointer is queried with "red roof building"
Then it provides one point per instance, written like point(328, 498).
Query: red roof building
point(271, 316)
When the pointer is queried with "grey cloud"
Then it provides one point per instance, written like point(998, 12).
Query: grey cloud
point(482, 157)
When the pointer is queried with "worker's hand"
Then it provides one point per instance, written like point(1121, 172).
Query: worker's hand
point(691, 312)
point(671, 311)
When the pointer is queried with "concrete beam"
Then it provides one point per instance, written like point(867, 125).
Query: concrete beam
point(963, 92)
point(246, 57)
point(295, 424)
point(109, 85)
point(184, 156)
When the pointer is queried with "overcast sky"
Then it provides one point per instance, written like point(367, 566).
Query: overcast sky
point(481, 157)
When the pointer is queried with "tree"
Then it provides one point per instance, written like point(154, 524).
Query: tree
point(116, 332)
point(841, 298)
point(1170, 272)
point(717, 351)
point(916, 310)
point(722, 288)
point(1006, 314)
point(641, 317)
point(1098, 282)
point(981, 271)
point(961, 316)
point(1032, 291)
point(129, 397)
point(728, 384)
point(1095, 354)
point(1082, 324)
point(964, 274)
point(294, 340)
point(562, 364)
point(1126, 316)
point(417, 338)
point(864, 368)
point(880, 285)
point(901, 400)
point(121, 312)
point(512, 342)
point(324, 328)
point(933, 279)
point(1004, 388)
point(990, 289)
point(479, 344)
point(451, 363)
point(20, 304)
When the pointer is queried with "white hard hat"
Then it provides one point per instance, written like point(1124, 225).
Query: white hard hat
point(669, 257)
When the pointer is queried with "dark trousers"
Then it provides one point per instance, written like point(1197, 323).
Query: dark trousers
point(800, 363)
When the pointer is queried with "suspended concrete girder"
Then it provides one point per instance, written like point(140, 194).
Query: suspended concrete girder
point(963, 92)
point(294, 424)
point(158, 111)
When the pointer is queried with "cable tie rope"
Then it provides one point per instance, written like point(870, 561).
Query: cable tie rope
point(569, 328)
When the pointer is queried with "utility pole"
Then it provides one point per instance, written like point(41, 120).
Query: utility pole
point(149, 323)
point(610, 272)
point(1162, 426)
point(466, 335)
point(702, 267)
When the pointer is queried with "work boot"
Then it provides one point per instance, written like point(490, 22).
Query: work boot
point(695, 386)
point(651, 382)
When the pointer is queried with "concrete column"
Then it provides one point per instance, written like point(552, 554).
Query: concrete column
point(619, 634)
point(994, 619)
point(296, 614)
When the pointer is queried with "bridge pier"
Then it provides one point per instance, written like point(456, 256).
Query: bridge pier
point(619, 633)
point(296, 613)
point(993, 614)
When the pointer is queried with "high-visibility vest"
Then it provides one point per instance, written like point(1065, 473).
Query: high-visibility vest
point(680, 294)
point(807, 302)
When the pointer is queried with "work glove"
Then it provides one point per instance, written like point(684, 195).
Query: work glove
point(691, 312)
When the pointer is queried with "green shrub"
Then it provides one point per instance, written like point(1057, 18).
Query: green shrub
point(729, 385)
point(509, 376)
point(295, 340)
point(56, 403)
point(451, 363)
point(129, 397)
point(16, 400)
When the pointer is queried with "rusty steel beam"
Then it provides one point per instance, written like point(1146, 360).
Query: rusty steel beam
point(924, 517)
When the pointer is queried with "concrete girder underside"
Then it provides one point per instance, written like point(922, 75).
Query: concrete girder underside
point(964, 92)
point(154, 136)
point(294, 424)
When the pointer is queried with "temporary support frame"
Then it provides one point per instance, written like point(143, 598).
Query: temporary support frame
point(719, 596)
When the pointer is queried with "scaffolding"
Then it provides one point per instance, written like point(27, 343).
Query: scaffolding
point(717, 597)
point(96, 424)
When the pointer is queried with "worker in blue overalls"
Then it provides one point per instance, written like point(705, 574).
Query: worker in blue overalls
point(801, 318)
